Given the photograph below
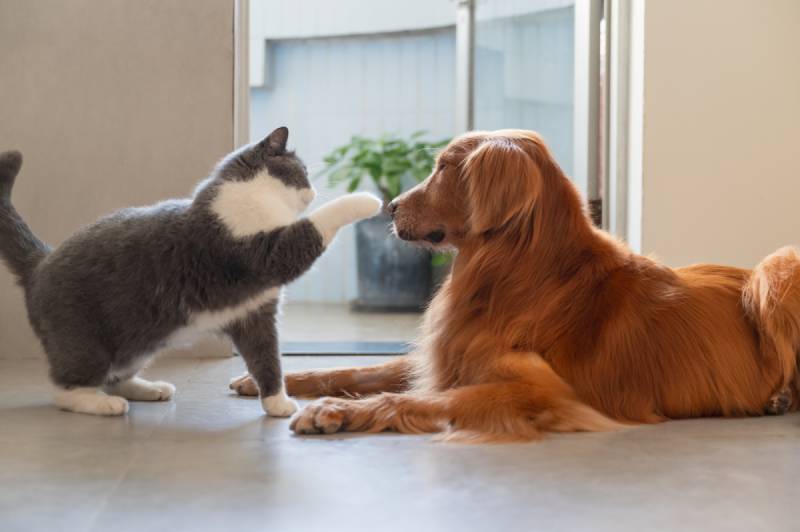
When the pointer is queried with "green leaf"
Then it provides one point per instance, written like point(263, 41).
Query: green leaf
point(389, 160)
point(441, 259)
point(339, 175)
point(354, 183)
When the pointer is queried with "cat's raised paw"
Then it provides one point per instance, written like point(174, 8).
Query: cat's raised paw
point(363, 204)
point(279, 405)
point(342, 211)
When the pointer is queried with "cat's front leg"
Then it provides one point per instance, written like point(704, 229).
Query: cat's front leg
point(256, 339)
point(294, 248)
point(342, 211)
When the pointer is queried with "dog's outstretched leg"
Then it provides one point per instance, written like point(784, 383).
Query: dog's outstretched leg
point(392, 376)
point(524, 399)
point(780, 403)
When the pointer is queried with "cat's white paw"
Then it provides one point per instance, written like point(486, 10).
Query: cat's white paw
point(342, 211)
point(165, 390)
point(361, 205)
point(279, 405)
point(111, 405)
point(90, 401)
point(138, 389)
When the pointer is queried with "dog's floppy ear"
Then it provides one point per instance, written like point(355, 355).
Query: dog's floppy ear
point(502, 182)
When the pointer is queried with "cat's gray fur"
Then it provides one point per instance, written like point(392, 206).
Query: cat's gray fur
point(115, 290)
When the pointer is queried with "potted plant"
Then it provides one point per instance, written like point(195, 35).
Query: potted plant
point(392, 275)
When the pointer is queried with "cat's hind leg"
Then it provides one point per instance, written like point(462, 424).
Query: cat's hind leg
point(79, 367)
point(86, 400)
point(139, 389)
point(256, 339)
point(123, 381)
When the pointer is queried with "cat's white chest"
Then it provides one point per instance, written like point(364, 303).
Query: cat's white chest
point(209, 322)
point(259, 205)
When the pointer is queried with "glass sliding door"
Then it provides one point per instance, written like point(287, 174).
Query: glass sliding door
point(529, 72)
point(332, 71)
point(376, 69)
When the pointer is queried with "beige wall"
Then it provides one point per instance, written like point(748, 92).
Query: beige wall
point(721, 168)
point(113, 103)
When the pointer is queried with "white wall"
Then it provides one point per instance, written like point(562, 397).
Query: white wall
point(113, 103)
point(281, 19)
point(305, 19)
point(721, 160)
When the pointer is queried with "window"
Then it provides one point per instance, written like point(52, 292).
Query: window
point(331, 70)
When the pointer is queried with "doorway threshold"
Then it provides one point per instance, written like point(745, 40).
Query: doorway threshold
point(344, 348)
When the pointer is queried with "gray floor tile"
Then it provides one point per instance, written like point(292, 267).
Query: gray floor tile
point(211, 461)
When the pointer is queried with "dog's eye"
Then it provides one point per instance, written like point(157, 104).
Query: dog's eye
point(440, 168)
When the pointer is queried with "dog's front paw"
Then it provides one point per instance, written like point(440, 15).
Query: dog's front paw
point(780, 403)
point(325, 415)
point(244, 385)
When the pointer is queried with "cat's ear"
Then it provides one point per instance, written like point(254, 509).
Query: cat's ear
point(275, 142)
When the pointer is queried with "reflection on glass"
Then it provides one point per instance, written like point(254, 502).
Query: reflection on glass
point(390, 70)
point(524, 70)
point(356, 77)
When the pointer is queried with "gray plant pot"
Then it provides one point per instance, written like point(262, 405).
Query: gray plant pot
point(393, 276)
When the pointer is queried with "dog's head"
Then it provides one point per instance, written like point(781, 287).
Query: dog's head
point(484, 183)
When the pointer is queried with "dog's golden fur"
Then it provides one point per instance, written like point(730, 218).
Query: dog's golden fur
point(549, 324)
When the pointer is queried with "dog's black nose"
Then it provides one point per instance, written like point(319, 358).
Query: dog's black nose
point(435, 236)
point(391, 208)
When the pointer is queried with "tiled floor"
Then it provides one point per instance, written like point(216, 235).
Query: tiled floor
point(318, 322)
point(210, 461)
point(301, 322)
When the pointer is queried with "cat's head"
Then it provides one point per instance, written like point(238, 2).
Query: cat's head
point(268, 165)
point(261, 186)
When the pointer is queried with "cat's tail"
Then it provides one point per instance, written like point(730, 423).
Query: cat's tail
point(20, 249)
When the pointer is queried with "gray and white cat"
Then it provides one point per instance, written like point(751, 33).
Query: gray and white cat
point(142, 279)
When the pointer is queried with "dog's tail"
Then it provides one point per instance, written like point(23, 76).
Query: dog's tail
point(772, 300)
point(20, 249)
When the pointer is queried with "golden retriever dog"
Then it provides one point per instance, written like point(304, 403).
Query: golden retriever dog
point(549, 324)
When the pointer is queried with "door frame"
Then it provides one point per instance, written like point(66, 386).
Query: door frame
point(241, 72)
